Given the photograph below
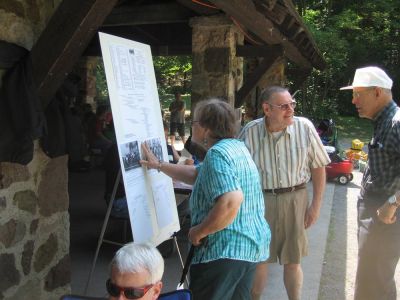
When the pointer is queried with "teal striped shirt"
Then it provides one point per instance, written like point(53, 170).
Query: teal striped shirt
point(229, 167)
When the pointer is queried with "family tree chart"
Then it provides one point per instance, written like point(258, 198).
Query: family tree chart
point(137, 119)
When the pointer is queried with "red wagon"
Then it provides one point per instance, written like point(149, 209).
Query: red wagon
point(340, 169)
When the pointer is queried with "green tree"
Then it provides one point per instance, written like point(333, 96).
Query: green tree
point(172, 73)
point(350, 34)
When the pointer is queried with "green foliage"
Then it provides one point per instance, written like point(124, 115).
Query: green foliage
point(101, 83)
point(173, 73)
point(349, 34)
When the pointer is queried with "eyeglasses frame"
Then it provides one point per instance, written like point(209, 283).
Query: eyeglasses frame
point(110, 285)
point(284, 106)
point(357, 95)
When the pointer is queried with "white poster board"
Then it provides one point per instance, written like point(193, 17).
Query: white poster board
point(137, 118)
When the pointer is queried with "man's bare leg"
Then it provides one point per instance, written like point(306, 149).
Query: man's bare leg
point(260, 281)
point(293, 279)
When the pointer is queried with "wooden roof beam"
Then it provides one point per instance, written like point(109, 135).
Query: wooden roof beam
point(268, 4)
point(258, 51)
point(246, 14)
point(277, 14)
point(148, 14)
point(63, 41)
point(198, 8)
point(257, 74)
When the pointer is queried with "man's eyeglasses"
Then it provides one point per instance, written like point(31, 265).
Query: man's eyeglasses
point(129, 293)
point(358, 94)
point(284, 106)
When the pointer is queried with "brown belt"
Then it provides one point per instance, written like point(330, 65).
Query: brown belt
point(286, 190)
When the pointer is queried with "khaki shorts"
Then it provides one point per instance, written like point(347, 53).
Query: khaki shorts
point(285, 216)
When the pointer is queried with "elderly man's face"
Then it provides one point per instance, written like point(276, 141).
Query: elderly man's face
point(365, 100)
point(134, 280)
point(280, 110)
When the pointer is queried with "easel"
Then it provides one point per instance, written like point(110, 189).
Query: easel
point(103, 230)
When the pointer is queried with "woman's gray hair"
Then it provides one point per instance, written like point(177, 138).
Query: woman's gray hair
point(217, 116)
point(267, 93)
point(135, 258)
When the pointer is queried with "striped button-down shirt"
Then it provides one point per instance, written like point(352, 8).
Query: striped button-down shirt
point(287, 161)
point(228, 167)
point(382, 175)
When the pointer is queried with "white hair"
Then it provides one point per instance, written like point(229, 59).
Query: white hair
point(135, 258)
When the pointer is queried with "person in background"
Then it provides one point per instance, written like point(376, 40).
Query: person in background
point(97, 139)
point(287, 151)
point(173, 155)
point(177, 118)
point(195, 150)
point(136, 272)
point(227, 224)
point(379, 199)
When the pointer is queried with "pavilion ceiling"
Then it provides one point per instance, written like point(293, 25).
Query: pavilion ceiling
point(165, 26)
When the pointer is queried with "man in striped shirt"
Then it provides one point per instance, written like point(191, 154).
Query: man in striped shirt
point(288, 152)
point(379, 199)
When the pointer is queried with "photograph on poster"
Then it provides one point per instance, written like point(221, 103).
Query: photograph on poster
point(156, 148)
point(130, 155)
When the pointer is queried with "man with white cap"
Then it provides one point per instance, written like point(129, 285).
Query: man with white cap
point(379, 199)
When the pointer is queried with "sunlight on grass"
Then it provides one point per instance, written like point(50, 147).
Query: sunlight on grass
point(354, 128)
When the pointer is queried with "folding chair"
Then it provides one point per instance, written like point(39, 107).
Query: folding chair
point(177, 295)
point(78, 297)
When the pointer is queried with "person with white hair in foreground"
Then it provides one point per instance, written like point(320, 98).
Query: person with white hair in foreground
point(136, 272)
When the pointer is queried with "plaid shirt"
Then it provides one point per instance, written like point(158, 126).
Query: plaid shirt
point(382, 175)
point(228, 167)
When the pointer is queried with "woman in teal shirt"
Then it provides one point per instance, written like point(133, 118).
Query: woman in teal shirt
point(228, 224)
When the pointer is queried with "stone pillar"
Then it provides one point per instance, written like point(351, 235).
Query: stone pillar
point(86, 70)
point(34, 223)
point(217, 72)
point(274, 76)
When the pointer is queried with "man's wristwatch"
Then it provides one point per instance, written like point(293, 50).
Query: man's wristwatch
point(393, 201)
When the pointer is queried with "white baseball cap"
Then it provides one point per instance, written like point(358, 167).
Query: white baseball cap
point(370, 76)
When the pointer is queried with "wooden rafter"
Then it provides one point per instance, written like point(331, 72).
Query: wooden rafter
point(246, 14)
point(198, 8)
point(149, 14)
point(270, 55)
point(64, 40)
point(258, 51)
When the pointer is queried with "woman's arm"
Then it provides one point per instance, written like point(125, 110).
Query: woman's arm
point(185, 173)
point(220, 216)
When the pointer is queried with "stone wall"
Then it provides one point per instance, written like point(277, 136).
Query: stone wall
point(34, 229)
point(86, 70)
point(216, 71)
point(274, 76)
point(22, 21)
point(34, 223)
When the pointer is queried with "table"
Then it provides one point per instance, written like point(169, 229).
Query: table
point(182, 188)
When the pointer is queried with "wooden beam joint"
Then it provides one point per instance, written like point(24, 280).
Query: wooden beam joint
point(63, 41)
point(255, 77)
